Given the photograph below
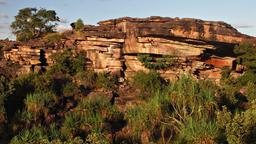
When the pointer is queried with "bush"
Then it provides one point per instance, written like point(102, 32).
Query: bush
point(199, 132)
point(157, 62)
point(106, 81)
point(68, 62)
point(33, 136)
point(53, 37)
point(87, 79)
point(79, 25)
point(88, 117)
point(240, 128)
point(144, 117)
point(39, 103)
point(70, 89)
point(148, 83)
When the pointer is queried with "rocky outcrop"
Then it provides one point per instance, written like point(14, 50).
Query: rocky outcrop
point(203, 48)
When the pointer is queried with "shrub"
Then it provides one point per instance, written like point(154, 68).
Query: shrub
point(240, 128)
point(105, 80)
point(246, 52)
point(87, 79)
point(157, 63)
point(199, 132)
point(144, 117)
point(70, 89)
point(251, 92)
point(53, 37)
point(68, 62)
point(79, 25)
point(40, 102)
point(32, 136)
point(88, 117)
point(148, 83)
point(97, 138)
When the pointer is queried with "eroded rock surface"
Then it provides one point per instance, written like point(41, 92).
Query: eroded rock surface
point(202, 47)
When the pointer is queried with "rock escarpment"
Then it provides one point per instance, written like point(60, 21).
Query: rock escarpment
point(200, 48)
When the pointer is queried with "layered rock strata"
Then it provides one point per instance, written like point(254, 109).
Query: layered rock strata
point(202, 47)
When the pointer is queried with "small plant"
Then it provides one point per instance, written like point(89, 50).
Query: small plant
point(40, 102)
point(87, 79)
point(70, 89)
point(105, 80)
point(239, 128)
point(32, 136)
point(148, 83)
point(79, 25)
point(68, 62)
point(199, 132)
point(53, 37)
point(156, 63)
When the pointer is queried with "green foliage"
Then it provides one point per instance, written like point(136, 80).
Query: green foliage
point(70, 89)
point(53, 37)
point(246, 52)
point(240, 128)
point(225, 73)
point(148, 83)
point(251, 92)
point(105, 80)
point(79, 25)
point(31, 23)
point(144, 117)
point(87, 79)
point(199, 132)
point(33, 136)
point(157, 63)
point(97, 138)
point(40, 102)
point(88, 117)
point(68, 62)
point(248, 76)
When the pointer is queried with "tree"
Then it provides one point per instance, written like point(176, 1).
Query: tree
point(31, 23)
point(79, 25)
point(246, 52)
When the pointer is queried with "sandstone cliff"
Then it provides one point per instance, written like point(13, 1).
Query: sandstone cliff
point(201, 47)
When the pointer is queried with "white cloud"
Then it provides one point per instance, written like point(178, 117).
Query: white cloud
point(62, 28)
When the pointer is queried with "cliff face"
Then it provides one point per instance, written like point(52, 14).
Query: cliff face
point(201, 47)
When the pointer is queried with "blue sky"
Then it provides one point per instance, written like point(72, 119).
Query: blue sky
point(239, 13)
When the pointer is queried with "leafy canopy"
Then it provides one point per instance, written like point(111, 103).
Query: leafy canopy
point(31, 23)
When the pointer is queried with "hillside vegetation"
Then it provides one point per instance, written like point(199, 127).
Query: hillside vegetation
point(71, 104)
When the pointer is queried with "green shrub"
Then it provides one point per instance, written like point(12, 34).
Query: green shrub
point(199, 132)
point(157, 62)
point(40, 102)
point(87, 79)
point(70, 89)
point(251, 92)
point(79, 25)
point(97, 138)
point(248, 76)
point(148, 83)
point(240, 128)
point(105, 80)
point(144, 117)
point(32, 136)
point(68, 62)
point(88, 116)
point(246, 52)
point(53, 37)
